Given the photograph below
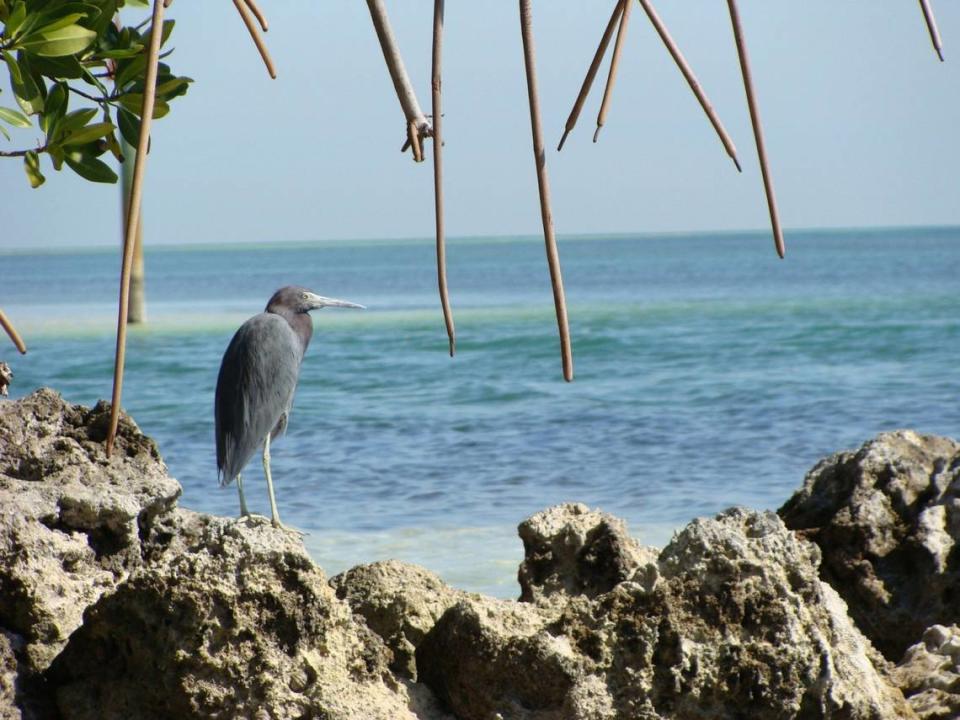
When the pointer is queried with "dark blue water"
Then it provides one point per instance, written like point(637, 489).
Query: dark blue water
point(708, 373)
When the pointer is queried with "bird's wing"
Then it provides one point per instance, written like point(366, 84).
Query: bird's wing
point(258, 376)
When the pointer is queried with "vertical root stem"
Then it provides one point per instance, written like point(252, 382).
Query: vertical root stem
point(436, 88)
point(133, 216)
point(553, 257)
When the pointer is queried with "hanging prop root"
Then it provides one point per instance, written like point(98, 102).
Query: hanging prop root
point(692, 81)
point(247, 10)
point(12, 333)
point(258, 13)
point(626, 6)
point(133, 216)
point(437, 110)
point(413, 141)
point(932, 27)
point(421, 127)
point(553, 258)
point(591, 73)
point(757, 128)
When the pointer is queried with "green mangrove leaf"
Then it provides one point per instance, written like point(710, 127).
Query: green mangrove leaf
point(129, 126)
point(31, 166)
point(15, 118)
point(55, 43)
point(86, 134)
point(89, 168)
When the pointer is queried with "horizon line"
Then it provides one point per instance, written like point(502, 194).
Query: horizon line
point(502, 237)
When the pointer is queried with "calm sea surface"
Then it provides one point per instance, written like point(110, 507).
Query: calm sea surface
point(708, 373)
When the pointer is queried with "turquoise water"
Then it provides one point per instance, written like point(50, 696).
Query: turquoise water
point(708, 373)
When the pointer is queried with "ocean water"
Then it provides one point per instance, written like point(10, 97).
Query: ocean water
point(709, 373)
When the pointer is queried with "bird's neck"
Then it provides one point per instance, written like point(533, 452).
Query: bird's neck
point(302, 325)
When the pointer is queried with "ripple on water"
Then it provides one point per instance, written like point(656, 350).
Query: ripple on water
point(708, 375)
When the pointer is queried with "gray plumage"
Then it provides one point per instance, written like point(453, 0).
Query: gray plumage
point(263, 361)
point(257, 380)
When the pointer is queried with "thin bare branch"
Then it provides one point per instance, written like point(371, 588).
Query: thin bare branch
point(436, 88)
point(261, 18)
point(691, 80)
point(627, 5)
point(133, 217)
point(932, 27)
point(757, 128)
point(553, 257)
point(12, 332)
point(398, 74)
point(591, 72)
point(21, 153)
point(247, 17)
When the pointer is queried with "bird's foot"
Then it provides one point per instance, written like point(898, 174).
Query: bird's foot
point(287, 529)
point(254, 519)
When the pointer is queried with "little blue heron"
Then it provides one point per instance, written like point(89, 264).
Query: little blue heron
point(258, 376)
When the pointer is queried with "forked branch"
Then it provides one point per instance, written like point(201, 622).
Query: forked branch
point(248, 9)
point(591, 72)
point(258, 13)
point(418, 126)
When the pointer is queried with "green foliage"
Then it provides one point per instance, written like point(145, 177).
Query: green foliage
point(55, 52)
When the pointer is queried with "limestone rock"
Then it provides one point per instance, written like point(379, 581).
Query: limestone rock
point(114, 603)
point(887, 519)
point(400, 602)
point(572, 550)
point(491, 658)
point(6, 377)
point(749, 624)
point(929, 674)
point(183, 614)
point(71, 519)
point(8, 678)
point(737, 622)
point(240, 624)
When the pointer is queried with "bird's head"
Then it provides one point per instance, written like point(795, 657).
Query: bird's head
point(293, 299)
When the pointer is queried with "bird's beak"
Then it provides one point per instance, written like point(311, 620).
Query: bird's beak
point(318, 301)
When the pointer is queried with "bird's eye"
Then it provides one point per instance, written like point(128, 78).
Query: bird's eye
point(303, 296)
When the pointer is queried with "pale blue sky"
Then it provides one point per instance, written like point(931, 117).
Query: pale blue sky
point(861, 123)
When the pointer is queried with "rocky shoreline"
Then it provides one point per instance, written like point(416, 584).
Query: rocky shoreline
point(117, 603)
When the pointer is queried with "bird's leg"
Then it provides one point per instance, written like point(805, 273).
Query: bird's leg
point(244, 512)
point(266, 471)
point(275, 516)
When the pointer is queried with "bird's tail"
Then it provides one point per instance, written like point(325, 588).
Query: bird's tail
point(223, 478)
